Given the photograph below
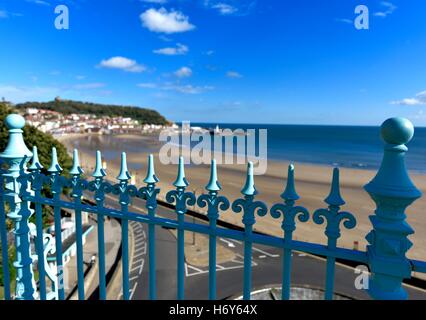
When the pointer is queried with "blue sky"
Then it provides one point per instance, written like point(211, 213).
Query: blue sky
point(264, 61)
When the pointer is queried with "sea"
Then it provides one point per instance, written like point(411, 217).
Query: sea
point(343, 146)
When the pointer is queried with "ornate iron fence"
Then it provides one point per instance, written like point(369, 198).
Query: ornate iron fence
point(391, 189)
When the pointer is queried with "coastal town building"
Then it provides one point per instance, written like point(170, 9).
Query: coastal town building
point(57, 123)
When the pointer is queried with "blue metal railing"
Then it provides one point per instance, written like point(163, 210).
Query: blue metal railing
point(391, 189)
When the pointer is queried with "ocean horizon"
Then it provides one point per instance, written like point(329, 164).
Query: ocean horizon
point(359, 147)
point(333, 145)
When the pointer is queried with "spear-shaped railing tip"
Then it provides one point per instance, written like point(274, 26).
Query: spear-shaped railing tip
point(334, 198)
point(54, 164)
point(124, 173)
point(213, 184)
point(150, 174)
point(35, 163)
point(249, 189)
point(99, 170)
point(290, 188)
point(76, 169)
point(181, 181)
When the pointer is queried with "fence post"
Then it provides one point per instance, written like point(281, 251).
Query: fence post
point(16, 155)
point(393, 191)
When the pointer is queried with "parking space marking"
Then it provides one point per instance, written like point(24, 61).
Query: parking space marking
point(272, 255)
point(132, 291)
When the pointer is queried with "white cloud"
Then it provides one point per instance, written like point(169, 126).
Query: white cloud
point(147, 85)
point(155, 1)
point(389, 9)
point(419, 99)
point(93, 85)
point(224, 8)
point(164, 38)
point(18, 94)
point(233, 74)
point(3, 14)
point(343, 20)
point(39, 2)
point(185, 89)
point(164, 21)
point(122, 63)
point(183, 72)
point(180, 49)
point(189, 89)
point(80, 77)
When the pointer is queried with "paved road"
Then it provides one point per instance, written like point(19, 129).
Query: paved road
point(306, 270)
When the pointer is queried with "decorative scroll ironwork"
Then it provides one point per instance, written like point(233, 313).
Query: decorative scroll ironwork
point(391, 189)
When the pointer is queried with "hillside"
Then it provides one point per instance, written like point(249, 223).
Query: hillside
point(69, 106)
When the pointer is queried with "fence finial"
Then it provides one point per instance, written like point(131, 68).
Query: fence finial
point(150, 174)
point(54, 164)
point(99, 170)
point(124, 173)
point(16, 155)
point(334, 197)
point(249, 189)
point(392, 178)
point(393, 191)
point(76, 169)
point(290, 189)
point(35, 164)
point(15, 146)
point(213, 184)
point(181, 181)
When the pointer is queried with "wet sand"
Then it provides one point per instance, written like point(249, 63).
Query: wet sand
point(312, 185)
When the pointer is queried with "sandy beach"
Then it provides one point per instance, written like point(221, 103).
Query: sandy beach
point(312, 185)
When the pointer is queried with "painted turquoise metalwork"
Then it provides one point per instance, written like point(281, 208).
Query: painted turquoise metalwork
point(78, 186)
point(122, 189)
point(56, 183)
point(333, 217)
point(100, 187)
point(393, 191)
point(181, 199)
point(289, 213)
point(181, 181)
point(149, 193)
point(150, 175)
point(213, 203)
point(4, 240)
point(37, 186)
point(99, 170)
point(249, 207)
point(16, 155)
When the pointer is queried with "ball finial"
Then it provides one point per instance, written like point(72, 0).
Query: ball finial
point(14, 121)
point(397, 130)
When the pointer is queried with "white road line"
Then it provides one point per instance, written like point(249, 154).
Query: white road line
point(137, 261)
point(253, 263)
point(140, 268)
point(134, 278)
point(266, 253)
point(139, 237)
point(141, 248)
point(139, 254)
point(262, 256)
point(229, 243)
point(197, 271)
point(133, 290)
